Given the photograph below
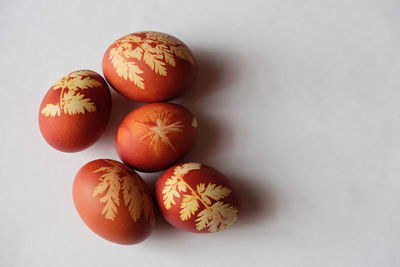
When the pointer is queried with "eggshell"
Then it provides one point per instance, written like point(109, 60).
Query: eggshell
point(153, 137)
point(114, 201)
point(75, 111)
point(149, 66)
point(197, 198)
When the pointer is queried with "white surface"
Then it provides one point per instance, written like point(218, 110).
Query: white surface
point(297, 102)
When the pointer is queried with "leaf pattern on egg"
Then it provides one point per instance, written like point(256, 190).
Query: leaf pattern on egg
point(157, 129)
point(214, 216)
point(113, 180)
point(156, 50)
point(71, 101)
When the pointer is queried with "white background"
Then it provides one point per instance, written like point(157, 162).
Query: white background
point(297, 102)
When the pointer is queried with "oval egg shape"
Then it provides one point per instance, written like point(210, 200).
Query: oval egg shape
point(154, 136)
point(114, 201)
point(149, 66)
point(75, 111)
point(197, 198)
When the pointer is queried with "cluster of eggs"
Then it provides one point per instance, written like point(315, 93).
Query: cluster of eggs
point(110, 197)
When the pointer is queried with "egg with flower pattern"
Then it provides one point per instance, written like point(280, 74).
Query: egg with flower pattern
point(114, 201)
point(154, 136)
point(75, 111)
point(149, 66)
point(197, 198)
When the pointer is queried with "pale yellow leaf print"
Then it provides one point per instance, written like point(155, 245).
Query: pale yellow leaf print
point(147, 46)
point(217, 217)
point(155, 63)
point(132, 38)
point(156, 50)
point(100, 188)
point(171, 189)
point(76, 80)
point(157, 129)
point(61, 83)
point(169, 192)
point(134, 71)
point(77, 104)
point(182, 52)
point(176, 184)
point(132, 198)
point(181, 170)
point(168, 55)
point(109, 181)
point(200, 190)
point(203, 219)
point(181, 186)
point(212, 191)
point(82, 83)
point(222, 216)
point(116, 54)
point(72, 102)
point(211, 216)
point(189, 206)
point(135, 53)
point(124, 46)
point(175, 45)
point(163, 38)
point(126, 69)
point(172, 181)
point(134, 195)
point(119, 62)
point(81, 73)
point(153, 36)
point(103, 169)
point(201, 187)
point(159, 134)
point(51, 110)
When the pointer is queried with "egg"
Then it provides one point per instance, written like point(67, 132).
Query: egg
point(149, 66)
point(114, 201)
point(75, 111)
point(154, 136)
point(197, 198)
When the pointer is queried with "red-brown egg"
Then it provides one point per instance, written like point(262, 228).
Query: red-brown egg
point(154, 136)
point(75, 111)
point(197, 198)
point(114, 201)
point(149, 66)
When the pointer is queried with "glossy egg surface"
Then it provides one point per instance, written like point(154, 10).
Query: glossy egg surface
point(197, 198)
point(154, 136)
point(149, 66)
point(114, 201)
point(75, 111)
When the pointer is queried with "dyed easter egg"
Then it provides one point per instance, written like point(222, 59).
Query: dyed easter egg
point(154, 136)
point(149, 66)
point(197, 198)
point(114, 201)
point(75, 111)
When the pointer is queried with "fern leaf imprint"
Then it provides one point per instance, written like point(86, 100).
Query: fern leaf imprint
point(206, 200)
